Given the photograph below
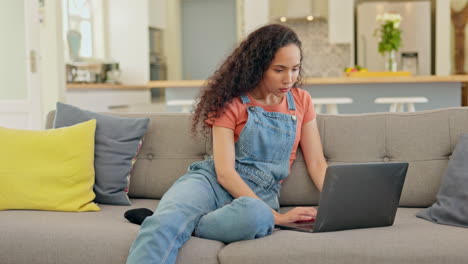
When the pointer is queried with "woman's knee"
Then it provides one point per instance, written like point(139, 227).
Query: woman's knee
point(257, 217)
point(243, 219)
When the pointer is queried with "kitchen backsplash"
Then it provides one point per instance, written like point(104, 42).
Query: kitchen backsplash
point(321, 59)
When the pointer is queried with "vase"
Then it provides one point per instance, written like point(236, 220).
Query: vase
point(390, 61)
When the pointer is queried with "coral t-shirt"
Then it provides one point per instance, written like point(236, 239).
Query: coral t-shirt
point(236, 114)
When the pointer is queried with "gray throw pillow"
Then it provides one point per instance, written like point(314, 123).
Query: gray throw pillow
point(451, 207)
point(116, 143)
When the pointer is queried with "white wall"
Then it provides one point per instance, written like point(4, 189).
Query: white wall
point(341, 24)
point(12, 50)
point(341, 21)
point(172, 41)
point(208, 34)
point(99, 9)
point(255, 15)
point(443, 38)
point(416, 33)
point(52, 63)
point(128, 39)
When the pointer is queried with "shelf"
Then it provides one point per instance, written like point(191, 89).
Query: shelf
point(106, 86)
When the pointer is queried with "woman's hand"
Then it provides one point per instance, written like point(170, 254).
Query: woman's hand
point(296, 214)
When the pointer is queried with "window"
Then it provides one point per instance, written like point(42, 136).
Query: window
point(82, 20)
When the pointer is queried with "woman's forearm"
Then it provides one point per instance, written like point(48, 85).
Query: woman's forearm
point(317, 173)
point(233, 183)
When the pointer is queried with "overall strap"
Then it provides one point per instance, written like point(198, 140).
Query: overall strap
point(290, 99)
point(245, 99)
point(291, 106)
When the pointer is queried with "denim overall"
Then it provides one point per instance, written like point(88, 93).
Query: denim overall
point(197, 204)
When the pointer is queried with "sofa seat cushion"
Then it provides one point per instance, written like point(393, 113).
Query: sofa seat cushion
point(409, 240)
point(44, 237)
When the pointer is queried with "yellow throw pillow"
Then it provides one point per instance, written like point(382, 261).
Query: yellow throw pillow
point(48, 170)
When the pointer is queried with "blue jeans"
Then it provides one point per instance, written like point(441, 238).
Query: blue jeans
point(197, 203)
point(193, 205)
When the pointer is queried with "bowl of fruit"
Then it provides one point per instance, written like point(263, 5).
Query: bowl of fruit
point(354, 71)
point(358, 71)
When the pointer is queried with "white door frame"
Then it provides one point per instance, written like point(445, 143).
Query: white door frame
point(27, 113)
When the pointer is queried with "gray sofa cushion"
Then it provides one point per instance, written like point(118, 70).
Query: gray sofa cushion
point(169, 149)
point(424, 139)
point(117, 141)
point(106, 237)
point(451, 205)
point(44, 237)
point(410, 240)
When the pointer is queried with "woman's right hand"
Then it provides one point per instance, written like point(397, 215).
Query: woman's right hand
point(296, 214)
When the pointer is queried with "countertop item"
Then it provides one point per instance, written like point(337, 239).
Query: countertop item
point(377, 74)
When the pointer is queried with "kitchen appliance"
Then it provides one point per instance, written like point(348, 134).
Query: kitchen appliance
point(416, 33)
point(409, 62)
point(112, 72)
point(92, 72)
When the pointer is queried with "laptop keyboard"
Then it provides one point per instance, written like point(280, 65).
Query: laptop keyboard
point(308, 225)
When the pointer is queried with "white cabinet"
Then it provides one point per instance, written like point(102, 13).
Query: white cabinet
point(341, 21)
point(99, 100)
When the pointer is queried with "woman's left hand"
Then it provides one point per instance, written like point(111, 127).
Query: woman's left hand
point(295, 215)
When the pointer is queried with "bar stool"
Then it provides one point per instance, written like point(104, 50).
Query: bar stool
point(397, 103)
point(331, 104)
point(185, 104)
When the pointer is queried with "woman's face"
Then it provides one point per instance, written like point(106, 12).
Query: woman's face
point(283, 71)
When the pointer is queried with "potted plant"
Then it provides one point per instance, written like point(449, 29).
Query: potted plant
point(389, 33)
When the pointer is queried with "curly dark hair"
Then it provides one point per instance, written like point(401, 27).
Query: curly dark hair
point(241, 72)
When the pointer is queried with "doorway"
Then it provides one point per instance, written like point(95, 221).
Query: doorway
point(20, 103)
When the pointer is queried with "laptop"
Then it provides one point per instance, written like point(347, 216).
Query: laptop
point(357, 196)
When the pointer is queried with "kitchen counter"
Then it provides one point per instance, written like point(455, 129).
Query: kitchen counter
point(441, 91)
point(102, 97)
point(106, 86)
point(396, 79)
point(336, 80)
point(308, 81)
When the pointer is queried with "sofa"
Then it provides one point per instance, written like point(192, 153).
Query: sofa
point(425, 139)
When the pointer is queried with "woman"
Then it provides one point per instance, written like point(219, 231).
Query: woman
point(257, 117)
